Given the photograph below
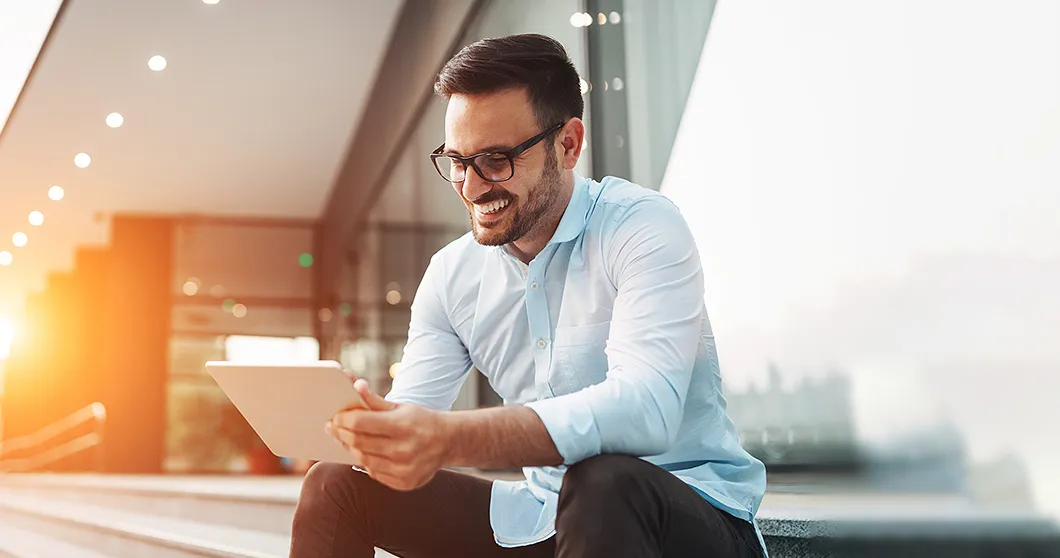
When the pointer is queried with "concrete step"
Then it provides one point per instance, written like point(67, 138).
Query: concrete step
point(262, 504)
point(16, 542)
point(155, 516)
point(246, 502)
point(120, 533)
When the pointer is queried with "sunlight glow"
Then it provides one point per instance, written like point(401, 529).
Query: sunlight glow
point(7, 336)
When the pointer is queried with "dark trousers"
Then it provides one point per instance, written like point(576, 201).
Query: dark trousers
point(609, 506)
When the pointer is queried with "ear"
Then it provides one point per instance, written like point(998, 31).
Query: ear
point(569, 143)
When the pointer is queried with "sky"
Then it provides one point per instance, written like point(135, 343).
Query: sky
point(874, 187)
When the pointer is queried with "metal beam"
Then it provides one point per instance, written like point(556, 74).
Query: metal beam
point(425, 36)
point(610, 109)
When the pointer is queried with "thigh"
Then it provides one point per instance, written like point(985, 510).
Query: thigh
point(613, 505)
point(695, 528)
point(447, 517)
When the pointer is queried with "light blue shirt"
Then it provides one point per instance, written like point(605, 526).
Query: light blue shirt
point(604, 334)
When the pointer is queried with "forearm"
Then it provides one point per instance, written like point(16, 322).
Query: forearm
point(498, 438)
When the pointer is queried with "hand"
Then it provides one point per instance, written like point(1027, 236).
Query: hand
point(399, 445)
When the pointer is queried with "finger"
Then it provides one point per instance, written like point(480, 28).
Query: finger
point(364, 444)
point(362, 459)
point(373, 401)
point(346, 438)
point(342, 435)
point(376, 445)
point(376, 464)
point(363, 422)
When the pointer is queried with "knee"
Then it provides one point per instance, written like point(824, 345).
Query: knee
point(601, 479)
point(330, 509)
point(327, 484)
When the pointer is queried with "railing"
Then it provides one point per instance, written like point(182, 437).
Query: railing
point(45, 455)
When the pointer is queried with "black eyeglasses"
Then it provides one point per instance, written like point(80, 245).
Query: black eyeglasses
point(492, 166)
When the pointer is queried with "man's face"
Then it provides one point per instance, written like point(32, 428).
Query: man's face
point(503, 212)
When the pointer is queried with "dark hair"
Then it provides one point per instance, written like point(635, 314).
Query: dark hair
point(536, 63)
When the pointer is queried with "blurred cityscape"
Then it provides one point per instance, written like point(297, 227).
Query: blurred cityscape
point(807, 435)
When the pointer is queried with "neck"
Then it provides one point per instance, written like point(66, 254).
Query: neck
point(528, 247)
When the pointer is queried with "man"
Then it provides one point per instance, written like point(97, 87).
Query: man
point(582, 302)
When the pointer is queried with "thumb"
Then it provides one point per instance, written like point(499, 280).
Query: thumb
point(373, 401)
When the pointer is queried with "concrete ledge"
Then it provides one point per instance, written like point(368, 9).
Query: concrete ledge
point(918, 525)
point(956, 528)
point(918, 535)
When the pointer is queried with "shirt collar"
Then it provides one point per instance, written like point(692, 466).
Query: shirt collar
point(573, 221)
point(574, 217)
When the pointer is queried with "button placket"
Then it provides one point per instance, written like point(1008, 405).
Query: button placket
point(537, 313)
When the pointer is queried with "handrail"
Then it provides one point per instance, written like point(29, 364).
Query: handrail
point(93, 412)
point(25, 464)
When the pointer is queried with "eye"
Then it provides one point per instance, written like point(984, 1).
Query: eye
point(496, 161)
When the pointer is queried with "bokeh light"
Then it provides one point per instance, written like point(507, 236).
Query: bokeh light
point(157, 63)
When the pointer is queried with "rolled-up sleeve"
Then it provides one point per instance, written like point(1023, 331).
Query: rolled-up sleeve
point(434, 361)
point(656, 325)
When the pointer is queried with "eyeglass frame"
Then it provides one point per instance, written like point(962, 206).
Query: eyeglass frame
point(510, 154)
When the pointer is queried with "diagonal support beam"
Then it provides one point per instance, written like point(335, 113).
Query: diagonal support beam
point(426, 34)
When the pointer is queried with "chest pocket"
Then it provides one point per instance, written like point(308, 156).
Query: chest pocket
point(578, 358)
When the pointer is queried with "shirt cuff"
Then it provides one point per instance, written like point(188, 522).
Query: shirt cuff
point(570, 422)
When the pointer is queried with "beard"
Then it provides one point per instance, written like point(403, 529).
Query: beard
point(523, 215)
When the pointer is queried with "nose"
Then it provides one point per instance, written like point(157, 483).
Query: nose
point(474, 186)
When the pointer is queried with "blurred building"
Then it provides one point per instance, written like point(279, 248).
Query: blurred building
point(808, 425)
point(1002, 483)
point(806, 430)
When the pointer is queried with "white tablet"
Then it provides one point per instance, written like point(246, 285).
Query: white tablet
point(288, 405)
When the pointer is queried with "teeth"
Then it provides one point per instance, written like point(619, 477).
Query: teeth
point(493, 206)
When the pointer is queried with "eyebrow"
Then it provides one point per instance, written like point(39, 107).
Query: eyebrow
point(487, 149)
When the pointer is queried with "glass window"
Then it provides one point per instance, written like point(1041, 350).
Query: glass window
point(878, 218)
point(418, 213)
point(243, 260)
point(205, 433)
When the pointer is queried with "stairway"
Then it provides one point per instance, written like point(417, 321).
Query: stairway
point(95, 516)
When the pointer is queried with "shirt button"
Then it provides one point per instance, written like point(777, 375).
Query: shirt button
point(541, 343)
point(533, 285)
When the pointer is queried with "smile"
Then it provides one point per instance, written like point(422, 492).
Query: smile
point(491, 207)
